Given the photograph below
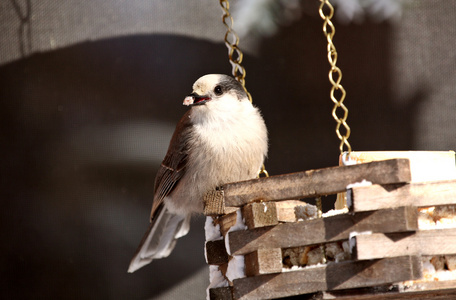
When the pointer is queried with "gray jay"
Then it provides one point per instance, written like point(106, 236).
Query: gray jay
point(222, 138)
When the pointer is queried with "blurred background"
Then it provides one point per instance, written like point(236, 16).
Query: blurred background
point(90, 92)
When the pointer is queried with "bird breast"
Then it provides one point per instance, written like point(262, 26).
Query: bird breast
point(223, 149)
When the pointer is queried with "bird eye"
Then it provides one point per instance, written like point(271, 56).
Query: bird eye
point(218, 90)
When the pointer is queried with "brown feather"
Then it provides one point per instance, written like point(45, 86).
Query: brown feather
point(174, 164)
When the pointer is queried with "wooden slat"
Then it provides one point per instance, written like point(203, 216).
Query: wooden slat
point(214, 203)
point(263, 261)
point(315, 183)
point(425, 166)
point(226, 222)
point(286, 210)
point(415, 194)
point(220, 293)
point(431, 286)
point(216, 252)
point(324, 230)
point(260, 214)
point(424, 242)
point(333, 276)
point(436, 290)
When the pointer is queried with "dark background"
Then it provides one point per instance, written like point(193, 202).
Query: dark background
point(90, 93)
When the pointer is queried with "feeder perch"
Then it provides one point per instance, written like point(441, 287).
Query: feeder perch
point(395, 238)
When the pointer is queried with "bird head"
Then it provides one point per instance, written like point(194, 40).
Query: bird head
point(214, 88)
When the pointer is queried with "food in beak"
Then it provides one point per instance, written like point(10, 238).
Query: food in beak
point(194, 99)
point(188, 100)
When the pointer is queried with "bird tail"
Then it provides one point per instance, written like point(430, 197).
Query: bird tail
point(160, 238)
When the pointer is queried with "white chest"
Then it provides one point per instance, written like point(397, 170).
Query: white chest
point(223, 148)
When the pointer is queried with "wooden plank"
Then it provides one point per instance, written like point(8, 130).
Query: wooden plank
point(216, 252)
point(425, 166)
point(422, 295)
point(375, 197)
point(324, 230)
point(263, 261)
point(220, 293)
point(315, 183)
point(214, 203)
point(424, 242)
point(286, 210)
point(259, 214)
point(226, 222)
point(421, 290)
point(333, 276)
point(421, 285)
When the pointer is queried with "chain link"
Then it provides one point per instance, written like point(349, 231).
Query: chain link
point(263, 172)
point(335, 77)
point(232, 43)
point(235, 57)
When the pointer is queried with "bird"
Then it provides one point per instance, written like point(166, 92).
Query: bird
point(222, 138)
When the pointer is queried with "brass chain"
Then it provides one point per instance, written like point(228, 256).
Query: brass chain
point(263, 172)
point(235, 56)
point(335, 77)
point(232, 43)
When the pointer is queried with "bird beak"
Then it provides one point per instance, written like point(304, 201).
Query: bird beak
point(195, 99)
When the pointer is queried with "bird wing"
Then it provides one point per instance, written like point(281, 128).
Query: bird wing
point(174, 164)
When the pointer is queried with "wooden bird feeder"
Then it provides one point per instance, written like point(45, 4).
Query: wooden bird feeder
point(384, 234)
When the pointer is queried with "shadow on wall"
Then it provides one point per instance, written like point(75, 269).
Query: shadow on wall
point(85, 127)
